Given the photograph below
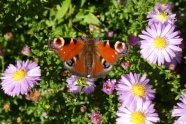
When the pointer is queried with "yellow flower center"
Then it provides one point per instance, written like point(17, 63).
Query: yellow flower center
point(82, 81)
point(160, 42)
point(138, 90)
point(138, 118)
point(19, 74)
point(97, 117)
point(108, 86)
point(35, 95)
point(162, 16)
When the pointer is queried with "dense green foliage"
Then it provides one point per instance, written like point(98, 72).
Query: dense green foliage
point(33, 23)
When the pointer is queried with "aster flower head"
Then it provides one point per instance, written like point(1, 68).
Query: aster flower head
point(96, 117)
point(75, 83)
point(18, 79)
point(164, 7)
point(110, 34)
point(143, 113)
point(26, 51)
point(35, 95)
point(161, 14)
point(8, 35)
point(108, 86)
point(160, 43)
point(125, 64)
point(180, 110)
point(134, 89)
point(83, 108)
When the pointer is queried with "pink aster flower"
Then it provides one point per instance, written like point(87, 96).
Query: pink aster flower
point(134, 89)
point(75, 83)
point(160, 43)
point(96, 117)
point(26, 50)
point(143, 113)
point(83, 108)
point(17, 79)
point(125, 64)
point(110, 34)
point(161, 14)
point(35, 95)
point(180, 109)
point(8, 35)
point(164, 7)
point(108, 86)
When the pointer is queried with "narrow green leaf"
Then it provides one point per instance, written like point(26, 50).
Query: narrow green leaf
point(82, 2)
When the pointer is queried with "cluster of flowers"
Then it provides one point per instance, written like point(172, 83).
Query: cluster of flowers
point(160, 42)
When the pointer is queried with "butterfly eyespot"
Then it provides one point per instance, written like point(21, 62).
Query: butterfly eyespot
point(58, 42)
point(71, 62)
point(121, 48)
point(106, 64)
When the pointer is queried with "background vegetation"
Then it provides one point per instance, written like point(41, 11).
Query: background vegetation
point(33, 23)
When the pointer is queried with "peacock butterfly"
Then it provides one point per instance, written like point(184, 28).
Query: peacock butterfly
point(87, 58)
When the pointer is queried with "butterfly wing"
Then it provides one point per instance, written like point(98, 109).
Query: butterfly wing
point(69, 51)
point(109, 51)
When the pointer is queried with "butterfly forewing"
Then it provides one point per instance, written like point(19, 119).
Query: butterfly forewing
point(88, 58)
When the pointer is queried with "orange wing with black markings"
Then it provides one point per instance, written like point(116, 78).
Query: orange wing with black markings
point(88, 58)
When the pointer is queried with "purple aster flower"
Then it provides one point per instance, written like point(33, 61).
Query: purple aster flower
point(26, 50)
point(180, 109)
point(160, 43)
point(178, 122)
point(108, 86)
point(164, 7)
point(96, 117)
point(134, 89)
point(143, 113)
point(110, 34)
point(173, 63)
point(19, 78)
point(133, 40)
point(158, 16)
point(75, 83)
point(35, 95)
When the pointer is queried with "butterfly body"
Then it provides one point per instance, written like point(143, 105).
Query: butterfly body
point(88, 58)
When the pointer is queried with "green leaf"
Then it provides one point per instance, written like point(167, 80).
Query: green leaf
point(63, 10)
point(82, 2)
point(91, 19)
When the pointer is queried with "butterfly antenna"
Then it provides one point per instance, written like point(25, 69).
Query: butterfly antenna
point(89, 36)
